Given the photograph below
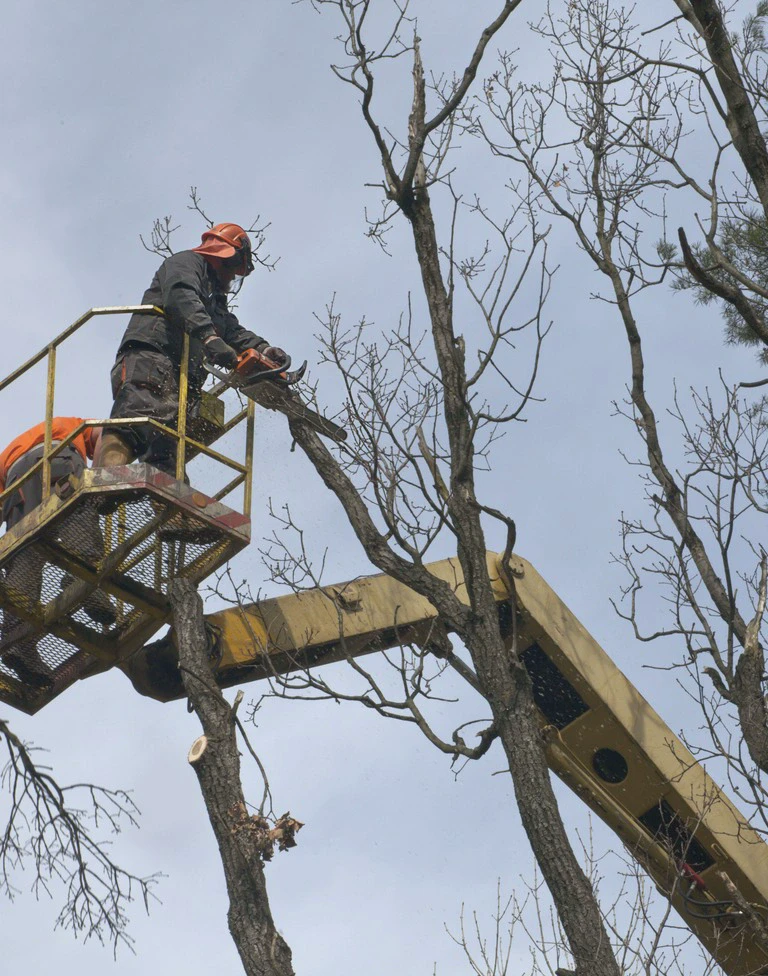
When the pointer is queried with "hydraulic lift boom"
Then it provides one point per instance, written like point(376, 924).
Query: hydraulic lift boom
point(602, 737)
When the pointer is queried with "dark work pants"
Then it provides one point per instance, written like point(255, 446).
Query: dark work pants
point(145, 383)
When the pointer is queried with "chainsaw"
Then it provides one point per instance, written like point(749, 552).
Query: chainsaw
point(269, 384)
point(254, 367)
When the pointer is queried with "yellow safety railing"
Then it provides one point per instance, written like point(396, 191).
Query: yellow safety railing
point(185, 445)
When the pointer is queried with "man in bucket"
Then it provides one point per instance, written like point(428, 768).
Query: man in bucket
point(191, 289)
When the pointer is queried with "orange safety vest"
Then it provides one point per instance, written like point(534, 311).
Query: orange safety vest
point(62, 427)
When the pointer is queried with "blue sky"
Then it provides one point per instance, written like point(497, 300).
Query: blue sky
point(110, 113)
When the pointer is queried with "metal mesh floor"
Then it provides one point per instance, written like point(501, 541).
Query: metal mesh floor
point(85, 582)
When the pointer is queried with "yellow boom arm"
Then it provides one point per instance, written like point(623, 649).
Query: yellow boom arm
point(602, 737)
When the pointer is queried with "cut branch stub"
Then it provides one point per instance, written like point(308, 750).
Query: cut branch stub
point(197, 749)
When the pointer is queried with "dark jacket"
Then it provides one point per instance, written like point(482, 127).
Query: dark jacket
point(187, 289)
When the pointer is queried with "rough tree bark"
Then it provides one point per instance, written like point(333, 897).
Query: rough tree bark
point(707, 19)
point(216, 761)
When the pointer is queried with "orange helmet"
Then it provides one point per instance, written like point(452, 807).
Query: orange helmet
point(230, 243)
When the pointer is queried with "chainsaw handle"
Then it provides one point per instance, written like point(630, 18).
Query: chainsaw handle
point(254, 367)
point(251, 358)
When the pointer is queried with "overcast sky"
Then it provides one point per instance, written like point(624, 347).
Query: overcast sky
point(110, 113)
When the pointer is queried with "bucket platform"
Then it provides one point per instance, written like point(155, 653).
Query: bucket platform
point(85, 577)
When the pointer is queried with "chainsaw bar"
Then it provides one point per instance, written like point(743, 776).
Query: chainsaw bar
point(276, 395)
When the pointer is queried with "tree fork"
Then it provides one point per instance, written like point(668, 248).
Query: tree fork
point(216, 762)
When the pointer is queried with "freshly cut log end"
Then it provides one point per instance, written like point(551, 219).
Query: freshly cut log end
point(197, 749)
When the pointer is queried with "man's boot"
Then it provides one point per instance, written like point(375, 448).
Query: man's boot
point(112, 451)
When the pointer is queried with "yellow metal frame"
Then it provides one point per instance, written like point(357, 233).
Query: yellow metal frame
point(132, 536)
point(370, 614)
point(133, 531)
point(186, 446)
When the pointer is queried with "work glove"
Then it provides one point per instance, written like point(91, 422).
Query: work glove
point(219, 353)
point(276, 354)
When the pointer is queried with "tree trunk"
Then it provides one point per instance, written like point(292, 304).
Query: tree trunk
point(503, 679)
point(216, 761)
point(507, 687)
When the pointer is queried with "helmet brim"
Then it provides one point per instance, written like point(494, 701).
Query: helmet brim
point(215, 249)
